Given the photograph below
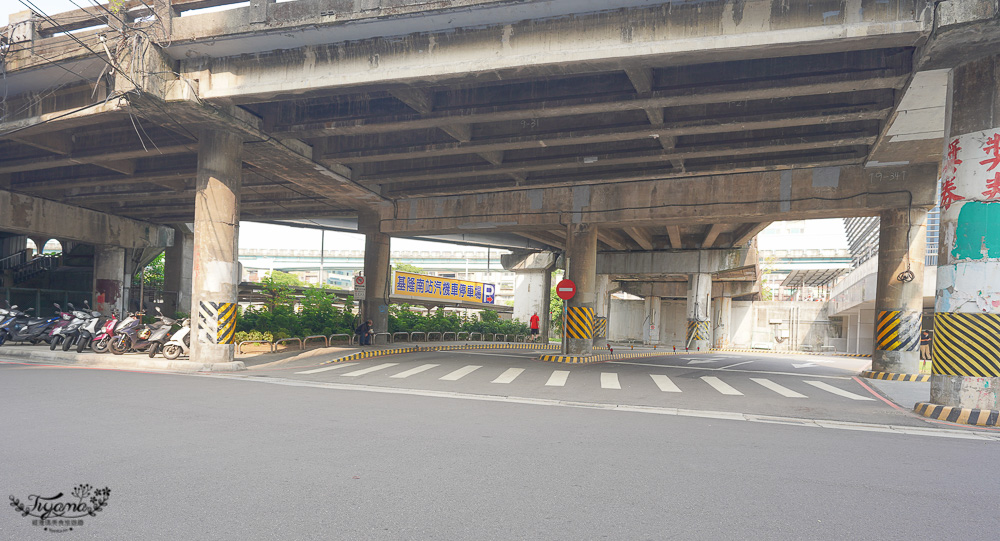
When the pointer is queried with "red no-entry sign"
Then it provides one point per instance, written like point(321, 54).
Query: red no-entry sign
point(565, 289)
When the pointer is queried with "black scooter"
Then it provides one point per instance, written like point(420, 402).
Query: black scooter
point(132, 335)
point(33, 330)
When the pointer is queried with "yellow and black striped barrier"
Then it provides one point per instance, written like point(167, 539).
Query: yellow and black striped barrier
point(697, 330)
point(600, 358)
point(580, 322)
point(896, 330)
point(217, 321)
point(368, 354)
point(601, 327)
point(770, 352)
point(966, 344)
point(965, 416)
point(890, 376)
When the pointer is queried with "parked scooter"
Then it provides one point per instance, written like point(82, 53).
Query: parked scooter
point(102, 341)
point(57, 333)
point(180, 343)
point(132, 335)
point(7, 316)
point(88, 331)
point(72, 333)
point(29, 329)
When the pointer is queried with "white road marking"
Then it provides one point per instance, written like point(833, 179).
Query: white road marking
point(783, 391)
point(609, 380)
point(558, 378)
point(460, 373)
point(417, 370)
point(732, 365)
point(701, 361)
point(325, 368)
point(369, 370)
point(664, 383)
point(837, 391)
point(803, 365)
point(963, 433)
point(508, 375)
point(720, 385)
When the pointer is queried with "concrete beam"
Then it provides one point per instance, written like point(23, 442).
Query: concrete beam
point(649, 265)
point(665, 290)
point(29, 215)
point(831, 192)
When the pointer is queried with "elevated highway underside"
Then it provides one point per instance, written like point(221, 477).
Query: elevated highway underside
point(622, 127)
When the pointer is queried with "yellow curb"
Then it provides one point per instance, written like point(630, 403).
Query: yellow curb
point(965, 416)
point(889, 376)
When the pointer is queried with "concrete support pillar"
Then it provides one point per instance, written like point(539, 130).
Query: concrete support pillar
point(966, 348)
point(699, 300)
point(898, 304)
point(377, 274)
point(215, 275)
point(177, 268)
point(722, 317)
point(532, 287)
point(651, 329)
point(581, 268)
point(602, 309)
point(109, 279)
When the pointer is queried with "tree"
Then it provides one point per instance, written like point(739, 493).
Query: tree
point(285, 279)
point(153, 278)
point(406, 267)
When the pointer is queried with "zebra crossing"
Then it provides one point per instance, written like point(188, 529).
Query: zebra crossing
point(732, 386)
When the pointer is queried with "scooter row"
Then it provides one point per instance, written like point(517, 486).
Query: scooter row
point(79, 328)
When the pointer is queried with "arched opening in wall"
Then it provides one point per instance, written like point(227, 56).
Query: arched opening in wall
point(52, 247)
point(31, 246)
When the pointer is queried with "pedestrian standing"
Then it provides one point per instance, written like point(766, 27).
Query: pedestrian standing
point(533, 323)
point(925, 345)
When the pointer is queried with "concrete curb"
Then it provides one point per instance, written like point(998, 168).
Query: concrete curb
point(416, 349)
point(890, 376)
point(965, 416)
point(136, 362)
point(792, 352)
point(590, 359)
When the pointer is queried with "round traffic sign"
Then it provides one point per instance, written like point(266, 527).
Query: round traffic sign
point(359, 280)
point(565, 289)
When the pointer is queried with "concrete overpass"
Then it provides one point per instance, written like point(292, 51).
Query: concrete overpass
point(580, 127)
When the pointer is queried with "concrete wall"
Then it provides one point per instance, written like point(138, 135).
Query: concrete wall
point(805, 324)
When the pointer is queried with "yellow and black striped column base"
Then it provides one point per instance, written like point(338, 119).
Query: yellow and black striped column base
point(580, 322)
point(897, 330)
point(889, 376)
point(698, 330)
point(600, 358)
point(966, 344)
point(965, 416)
point(217, 322)
point(601, 327)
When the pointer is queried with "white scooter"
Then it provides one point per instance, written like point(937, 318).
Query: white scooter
point(180, 343)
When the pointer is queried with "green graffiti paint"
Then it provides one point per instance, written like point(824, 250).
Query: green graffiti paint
point(978, 231)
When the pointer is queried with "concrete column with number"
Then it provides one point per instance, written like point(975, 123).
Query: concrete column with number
point(377, 274)
point(899, 297)
point(215, 268)
point(966, 348)
point(581, 255)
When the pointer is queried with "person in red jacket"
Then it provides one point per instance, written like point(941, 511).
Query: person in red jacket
point(533, 323)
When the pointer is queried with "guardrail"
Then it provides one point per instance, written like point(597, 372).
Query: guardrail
point(239, 347)
point(489, 337)
point(274, 346)
point(432, 333)
point(388, 338)
point(326, 341)
point(521, 338)
point(406, 336)
point(444, 336)
point(472, 334)
point(413, 336)
point(350, 338)
point(459, 335)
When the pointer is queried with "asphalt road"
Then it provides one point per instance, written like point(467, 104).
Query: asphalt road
point(195, 457)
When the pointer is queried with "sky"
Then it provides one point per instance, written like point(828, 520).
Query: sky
point(813, 234)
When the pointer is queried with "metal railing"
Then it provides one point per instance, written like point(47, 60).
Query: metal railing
point(444, 336)
point(326, 341)
point(413, 336)
point(388, 338)
point(459, 335)
point(406, 336)
point(239, 347)
point(432, 333)
point(472, 334)
point(350, 338)
point(274, 346)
